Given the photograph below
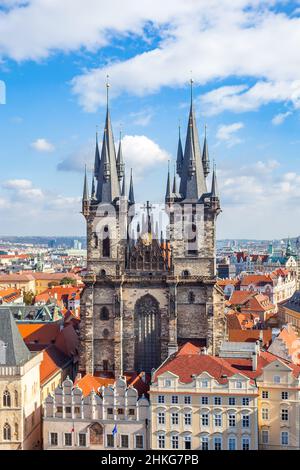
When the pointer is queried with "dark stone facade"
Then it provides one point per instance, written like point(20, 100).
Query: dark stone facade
point(145, 296)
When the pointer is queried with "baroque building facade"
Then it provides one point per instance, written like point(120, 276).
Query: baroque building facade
point(77, 420)
point(147, 291)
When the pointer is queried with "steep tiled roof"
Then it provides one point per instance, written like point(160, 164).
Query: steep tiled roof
point(293, 303)
point(90, 382)
point(42, 276)
point(16, 352)
point(231, 282)
point(16, 278)
point(240, 297)
point(39, 333)
point(10, 294)
point(265, 358)
point(258, 279)
point(251, 301)
point(249, 336)
point(53, 361)
point(189, 361)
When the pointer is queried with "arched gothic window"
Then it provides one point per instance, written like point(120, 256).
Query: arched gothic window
point(191, 297)
point(185, 273)
point(147, 318)
point(6, 432)
point(106, 243)
point(104, 314)
point(105, 333)
point(6, 398)
point(192, 241)
point(16, 399)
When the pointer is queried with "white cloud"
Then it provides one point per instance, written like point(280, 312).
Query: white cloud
point(42, 145)
point(37, 211)
point(243, 98)
point(17, 184)
point(139, 152)
point(280, 118)
point(142, 153)
point(142, 118)
point(230, 38)
point(254, 198)
point(227, 133)
point(22, 189)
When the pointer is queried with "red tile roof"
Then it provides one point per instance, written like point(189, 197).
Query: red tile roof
point(258, 279)
point(250, 336)
point(91, 382)
point(53, 361)
point(189, 362)
point(40, 333)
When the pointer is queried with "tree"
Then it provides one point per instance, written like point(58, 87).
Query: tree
point(67, 280)
point(28, 298)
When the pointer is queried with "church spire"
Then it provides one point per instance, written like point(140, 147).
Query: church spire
point(174, 189)
point(124, 186)
point(93, 192)
point(106, 165)
point(214, 194)
point(168, 196)
point(120, 161)
point(131, 192)
point(108, 188)
point(214, 184)
point(85, 195)
point(192, 183)
point(205, 156)
point(179, 161)
point(97, 158)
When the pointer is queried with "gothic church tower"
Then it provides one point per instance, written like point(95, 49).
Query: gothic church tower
point(145, 293)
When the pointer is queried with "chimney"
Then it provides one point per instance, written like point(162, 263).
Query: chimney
point(254, 360)
point(255, 355)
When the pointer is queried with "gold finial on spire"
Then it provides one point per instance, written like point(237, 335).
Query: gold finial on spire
point(107, 87)
point(191, 84)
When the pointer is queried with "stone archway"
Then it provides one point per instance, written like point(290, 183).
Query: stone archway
point(96, 434)
point(147, 327)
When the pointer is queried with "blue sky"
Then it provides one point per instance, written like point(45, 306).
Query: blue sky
point(245, 62)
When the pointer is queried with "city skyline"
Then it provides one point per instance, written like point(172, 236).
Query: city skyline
point(250, 108)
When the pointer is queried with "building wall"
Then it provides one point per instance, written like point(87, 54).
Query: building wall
point(68, 411)
point(286, 315)
point(24, 416)
point(196, 431)
point(270, 408)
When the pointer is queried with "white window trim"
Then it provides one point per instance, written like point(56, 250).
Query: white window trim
point(120, 440)
point(139, 435)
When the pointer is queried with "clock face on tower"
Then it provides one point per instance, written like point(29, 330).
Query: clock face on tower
point(147, 239)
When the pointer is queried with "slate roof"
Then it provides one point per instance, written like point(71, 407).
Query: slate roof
point(16, 352)
point(294, 302)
